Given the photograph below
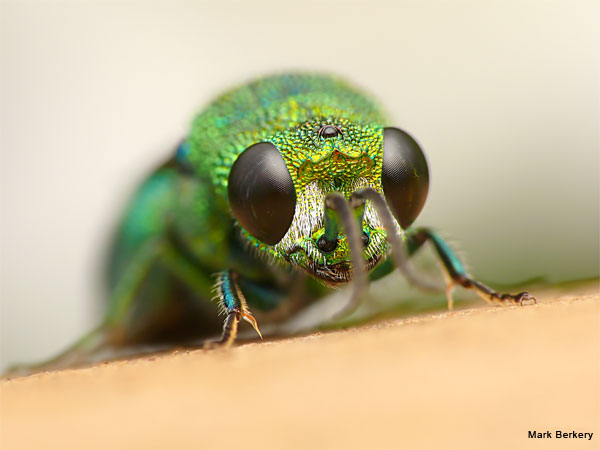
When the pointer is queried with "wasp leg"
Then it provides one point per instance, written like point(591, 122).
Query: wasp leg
point(74, 355)
point(178, 263)
point(234, 305)
point(110, 329)
point(456, 273)
point(124, 292)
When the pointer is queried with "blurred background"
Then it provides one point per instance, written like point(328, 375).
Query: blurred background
point(504, 96)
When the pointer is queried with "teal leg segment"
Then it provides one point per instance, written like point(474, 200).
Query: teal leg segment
point(415, 239)
point(456, 272)
point(235, 307)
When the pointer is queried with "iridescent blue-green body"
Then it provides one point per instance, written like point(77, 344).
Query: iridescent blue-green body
point(288, 176)
point(179, 230)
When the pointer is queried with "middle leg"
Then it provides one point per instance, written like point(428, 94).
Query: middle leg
point(455, 272)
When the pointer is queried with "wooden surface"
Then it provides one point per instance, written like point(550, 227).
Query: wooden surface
point(476, 378)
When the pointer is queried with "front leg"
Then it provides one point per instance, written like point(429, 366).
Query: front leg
point(234, 306)
point(455, 271)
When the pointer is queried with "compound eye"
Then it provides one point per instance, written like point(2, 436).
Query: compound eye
point(405, 176)
point(261, 192)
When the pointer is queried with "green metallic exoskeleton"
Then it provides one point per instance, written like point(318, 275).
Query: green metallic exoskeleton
point(288, 175)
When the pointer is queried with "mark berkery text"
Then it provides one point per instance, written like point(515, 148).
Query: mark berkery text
point(559, 435)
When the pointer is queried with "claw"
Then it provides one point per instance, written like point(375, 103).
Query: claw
point(248, 317)
point(525, 296)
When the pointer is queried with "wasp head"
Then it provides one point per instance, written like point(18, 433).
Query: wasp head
point(282, 192)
